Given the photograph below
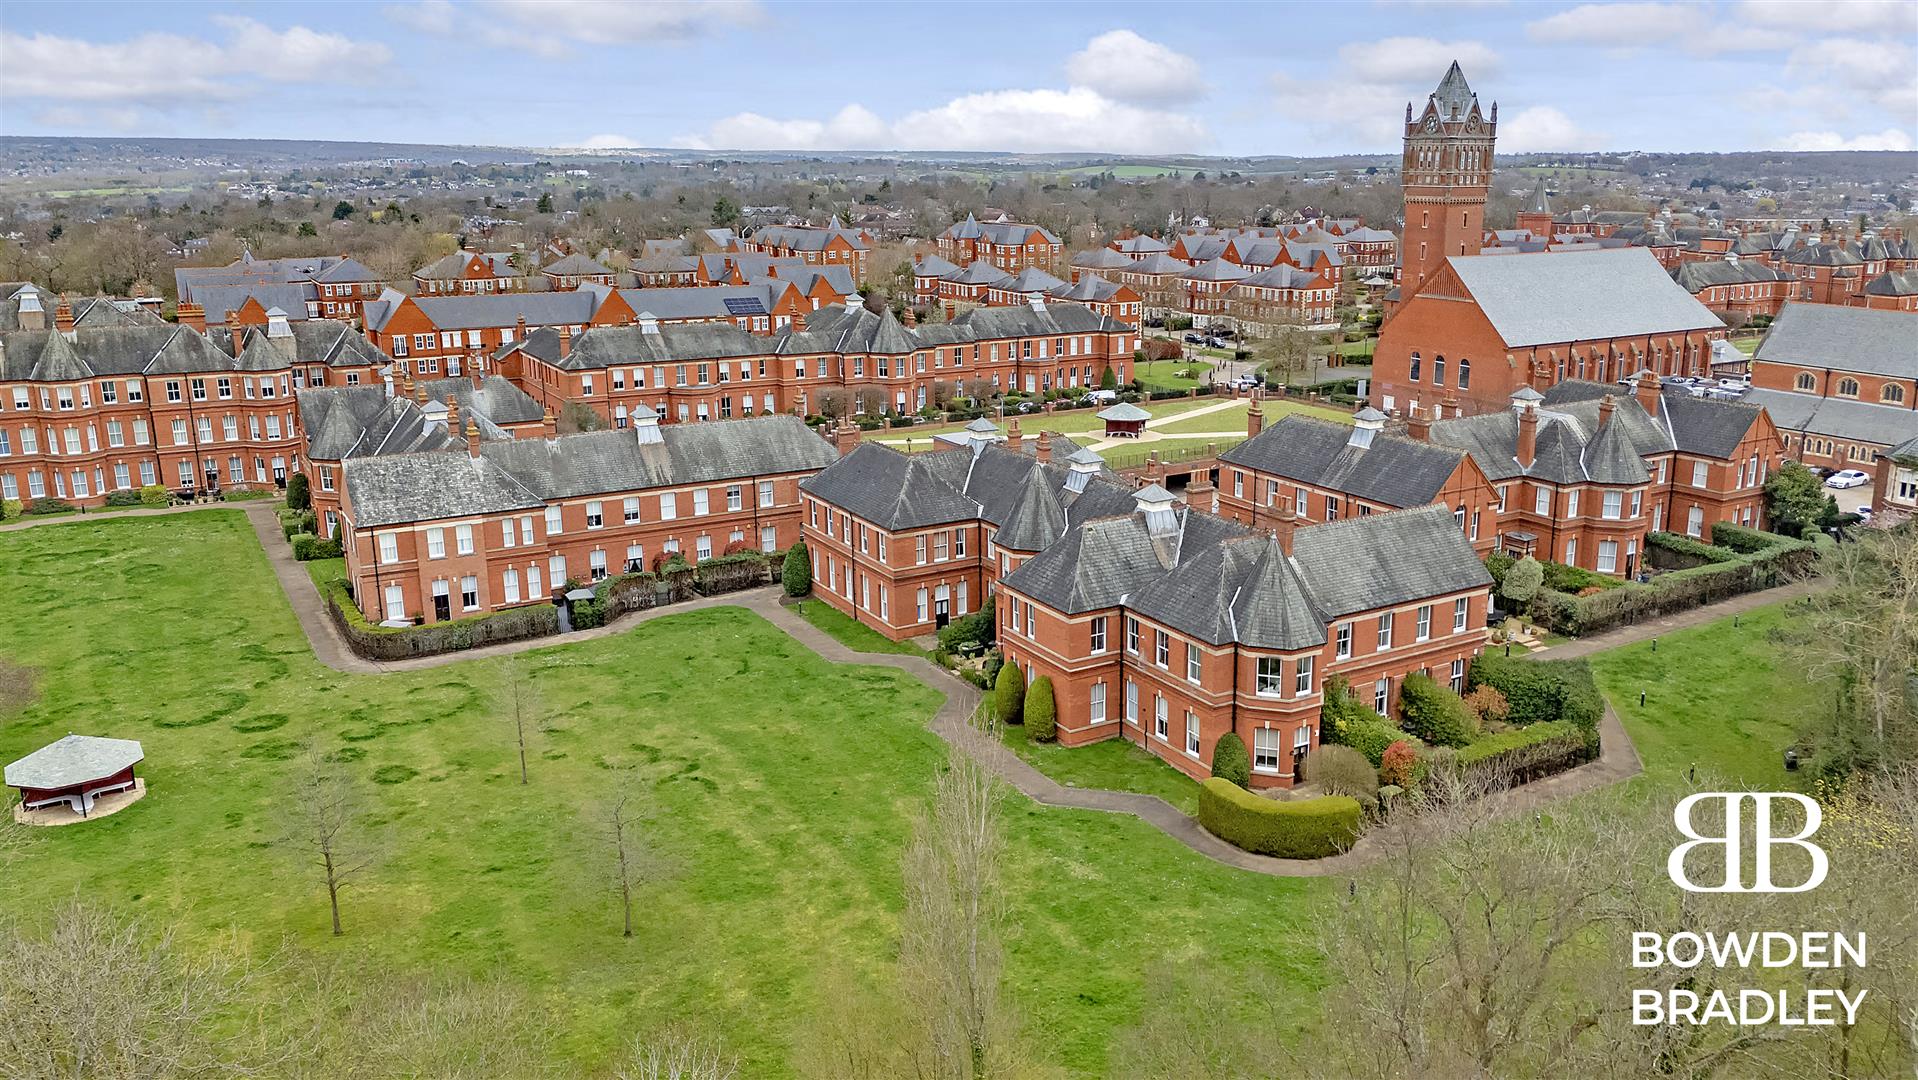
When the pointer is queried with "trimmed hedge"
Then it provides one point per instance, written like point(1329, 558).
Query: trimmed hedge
point(1739, 560)
point(298, 495)
point(1307, 829)
point(1371, 737)
point(1520, 757)
point(795, 575)
point(968, 633)
point(1230, 760)
point(404, 643)
point(731, 573)
point(124, 497)
point(1538, 691)
point(1041, 722)
point(48, 506)
point(1009, 695)
point(1433, 712)
point(307, 547)
point(155, 497)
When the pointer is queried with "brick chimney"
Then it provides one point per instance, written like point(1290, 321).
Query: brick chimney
point(799, 321)
point(418, 390)
point(1282, 523)
point(565, 341)
point(192, 316)
point(912, 317)
point(1527, 436)
point(1043, 454)
point(845, 437)
point(1647, 391)
point(1202, 496)
point(1254, 420)
point(519, 328)
point(1419, 426)
point(472, 439)
point(549, 424)
point(1450, 407)
point(1015, 441)
point(63, 318)
point(1605, 407)
point(232, 321)
point(452, 415)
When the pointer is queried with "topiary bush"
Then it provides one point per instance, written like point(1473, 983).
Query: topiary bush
point(1230, 761)
point(1371, 737)
point(298, 495)
point(796, 575)
point(1434, 713)
point(1522, 580)
point(49, 506)
point(1341, 770)
point(1306, 829)
point(1041, 721)
point(1009, 695)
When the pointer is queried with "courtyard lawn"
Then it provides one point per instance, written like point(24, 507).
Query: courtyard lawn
point(1233, 419)
point(325, 570)
point(1171, 374)
point(1065, 422)
point(856, 636)
point(1727, 698)
point(782, 791)
point(1113, 764)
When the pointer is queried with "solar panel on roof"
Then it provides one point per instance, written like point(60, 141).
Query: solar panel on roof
point(743, 305)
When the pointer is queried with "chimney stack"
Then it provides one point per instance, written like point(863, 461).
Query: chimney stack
point(1647, 391)
point(1527, 436)
point(232, 321)
point(1043, 454)
point(912, 317)
point(63, 318)
point(417, 390)
point(472, 439)
point(452, 415)
point(1283, 523)
point(549, 424)
point(1015, 441)
point(1419, 426)
point(1605, 407)
point(192, 316)
point(565, 341)
point(1201, 495)
point(845, 437)
point(1254, 420)
point(519, 328)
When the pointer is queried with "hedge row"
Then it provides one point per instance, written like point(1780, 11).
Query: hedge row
point(1540, 691)
point(404, 643)
point(1750, 560)
point(1307, 829)
point(307, 547)
point(1510, 758)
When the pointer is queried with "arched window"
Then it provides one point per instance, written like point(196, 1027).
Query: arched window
point(1464, 373)
point(1848, 387)
point(1415, 367)
point(1438, 371)
point(1893, 394)
point(1805, 381)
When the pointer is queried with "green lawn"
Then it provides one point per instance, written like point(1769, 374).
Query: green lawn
point(1726, 698)
point(1171, 374)
point(783, 788)
point(856, 636)
point(1114, 764)
point(325, 570)
point(1233, 419)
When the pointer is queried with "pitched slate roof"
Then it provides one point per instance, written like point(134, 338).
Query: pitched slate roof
point(1037, 519)
point(703, 301)
point(1382, 560)
point(1828, 336)
point(1563, 449)
point(1217, 270)
point(73, 760)
point(1393, 470)
point(1579, 296)
point(343, 422)
point(1031, 279)
point(891, 490)
point(496, 399)
point(1701, 274)
point(933, 266)
point(1281, 276)
point(1100, 259)
point(575, 264)
point(1684, 423)
point(1157, 262)
point(1838, 418)
point(1894, 283)
point(1089, 287)
point(512, 474)
point(1454, 97)
point(486, 310)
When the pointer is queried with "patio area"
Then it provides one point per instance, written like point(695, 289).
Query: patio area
point(63, 813)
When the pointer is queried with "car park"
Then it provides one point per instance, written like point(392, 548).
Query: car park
point(1848, 478)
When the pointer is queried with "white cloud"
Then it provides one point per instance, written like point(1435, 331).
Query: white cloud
point(1020, 121)
point(606, 142)
point(1888, 139)
point(79, 118)
point(625, 22)
point(1884, 72)
point(1619, 25)
point(1543, 128)
point(1852, 16)
point(1122, 66)
point(1414, 60)
point(169, 70)
point(426, 16)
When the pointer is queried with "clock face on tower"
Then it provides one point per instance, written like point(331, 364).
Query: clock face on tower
point(1431, 123)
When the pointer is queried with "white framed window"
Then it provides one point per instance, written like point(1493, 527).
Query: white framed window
point(1542, 500)
point(1614, 506)
point(1343, 636)
point(1161, 725)
point(1608, 556)
point(595, 515)
point(1695, 521)
point(469, 593)
point(1132, 635)
point(1191, 733)
point(1132, 703)
point(1192, 662)
point(509, 585)
point(1461, 607)
point(1385, 632)
point(552, 521)
point(596, 564)
point(436, 543)
point(1099, 634)
point(1699, 473)
point(389, 548)
point(1458, 676)
point(1271, 677)
point(1162, 648)
point(1302, 676)
point(1265, 749)
point(1425, 622)
point(1096, 703)
point(701, 507)
point(1381, 696)
point(668, 506)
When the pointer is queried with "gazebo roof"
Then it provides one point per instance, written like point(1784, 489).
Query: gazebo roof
point(1124, 412)
point(76, 759)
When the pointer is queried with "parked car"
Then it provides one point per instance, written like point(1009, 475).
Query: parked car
point(1102, 397)
point(1848, 478)
point(1740, 385)
point(1195, 339)
point(1027, 407)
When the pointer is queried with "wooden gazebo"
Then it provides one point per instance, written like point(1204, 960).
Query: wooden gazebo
point(66, 780)
point(1124, 420)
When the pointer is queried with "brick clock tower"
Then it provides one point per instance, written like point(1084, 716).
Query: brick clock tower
point(1446, 173)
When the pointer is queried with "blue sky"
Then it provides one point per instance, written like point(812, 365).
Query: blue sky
point(1108, 77)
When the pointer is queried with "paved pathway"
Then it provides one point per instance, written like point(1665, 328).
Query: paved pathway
point(1619, 759)
point(1683, 620)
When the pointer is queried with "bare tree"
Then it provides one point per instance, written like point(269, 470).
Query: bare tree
point(1862, 633)
point(860, 1033)
point(92, 994)
point(675, 1056)
point(1287, 351)
point(389, 1023)
point(322, 808)
point(951, 956)
point(621, 827)
point(520, 705)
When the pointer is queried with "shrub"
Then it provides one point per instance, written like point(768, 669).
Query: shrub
point(1522, 756)
point(307, 547)
point(10, 508)
point(123, 498)
point(1740, 560)
point(1522, 580)
point(1230, 760)
point(1306, 829)
point(155, 496)
point(1108, 379)
point(968, 633)
point(1433, 712)
point(1490, 705)
point(1340, 708)
point(1571, 579)
point(1398, 766)
point(1341, 770)
point(298, 495)
point(1497, 564)
point(1371, 737)
point(1009, 695)
point(1040, 719)
point(384, 643)
point(796, 574)
point(1540, 690)
point(49, 506)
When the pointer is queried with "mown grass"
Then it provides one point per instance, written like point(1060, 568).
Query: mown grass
point(854, 635)
point(782, 791)
point(1233, 419)
point(1114, 764)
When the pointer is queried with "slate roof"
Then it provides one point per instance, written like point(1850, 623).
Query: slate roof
point(805, 237)
point(485, 310)
point(1281, 276)
point(73, 760)
point(1381, 560)
point(1570, 447)
point(933, 266)
point(342, 422)
point(1395, 470)
point(1685, 423)
point(1031, 279)
point(1143, 245)
point(167, 348)
point(1454, 97)
point(1100, 259)
point(612, 346)
point(1894, 283)
point(1703, 273)
point(331, 269)
point(1579, 296)
point(221, 298)
point(1218, 270)
point(1838, 418)
point(973, 482)
point(703, 301)
point(453, 266)
point(1828, 336)
point(1157, 262)
point(496, 399)
point(512, 474)
point(1089, 287)
point(979, 272)
point(575, 264)
point(1037, 519)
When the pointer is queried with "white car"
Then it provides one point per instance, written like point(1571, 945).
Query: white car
point(1848, 478)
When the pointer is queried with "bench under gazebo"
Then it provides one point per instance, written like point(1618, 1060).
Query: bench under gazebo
point(76, 778)
point(1124, 420)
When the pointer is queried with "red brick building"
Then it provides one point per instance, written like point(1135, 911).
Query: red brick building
point(1896, 484)
point(434, 335)
point(1009, 245)
point(1447, 173)
point(305, 287)
point(1841, 382)
point(485, 525)
point(833, 245)
point(469, 272)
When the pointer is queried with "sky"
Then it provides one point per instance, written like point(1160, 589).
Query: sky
point(1109, 77)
